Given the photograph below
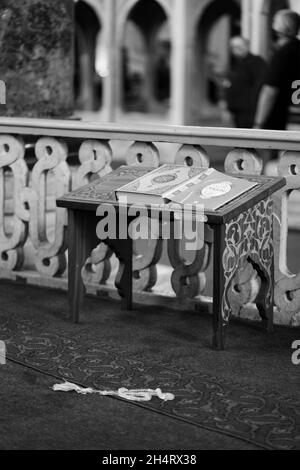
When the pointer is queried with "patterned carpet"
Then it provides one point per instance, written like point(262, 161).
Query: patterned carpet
point(249, 392)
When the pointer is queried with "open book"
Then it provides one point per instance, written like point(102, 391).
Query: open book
point(185, 185)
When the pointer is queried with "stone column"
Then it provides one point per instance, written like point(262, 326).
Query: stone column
point(246, 19)
point(260, 28)
point(36, 57)
point(178, 63)
point(111, 91)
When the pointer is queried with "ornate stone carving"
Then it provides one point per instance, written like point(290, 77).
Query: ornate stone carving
point(29, 210)
point(141, 153)
point(144, 261)
point(188, 279)
point(50, 169)
point(95, 157)
point(243, 161)
point(192, 155)
point(12, 152)
point(144, 269)
point(97, 267)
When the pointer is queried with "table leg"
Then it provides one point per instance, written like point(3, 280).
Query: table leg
point(247, 238)
point(220, 306)
point(123, 251)
point(82, 239)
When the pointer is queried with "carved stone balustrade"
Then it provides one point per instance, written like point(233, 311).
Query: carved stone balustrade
point(31, 224)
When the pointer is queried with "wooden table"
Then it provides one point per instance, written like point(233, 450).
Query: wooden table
point(243, 231)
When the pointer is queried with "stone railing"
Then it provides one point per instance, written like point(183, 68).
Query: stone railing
point(42, 159)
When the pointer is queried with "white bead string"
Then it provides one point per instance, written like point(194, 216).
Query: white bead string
point(139, 394)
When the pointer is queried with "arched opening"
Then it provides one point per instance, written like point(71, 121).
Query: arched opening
point(218, 23)
point(87, 80)
point(145, 59)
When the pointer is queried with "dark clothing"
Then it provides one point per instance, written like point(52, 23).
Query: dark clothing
point(243, 119)
point(246, 78)
point(283, 69)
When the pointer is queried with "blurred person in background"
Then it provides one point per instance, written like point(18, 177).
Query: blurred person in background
point(284, 68)
point(243, 82)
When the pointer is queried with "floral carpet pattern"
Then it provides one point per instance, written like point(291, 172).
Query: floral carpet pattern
point(255, 414)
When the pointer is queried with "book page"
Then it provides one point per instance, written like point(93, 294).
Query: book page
point(162, 180)
point(212, 190)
